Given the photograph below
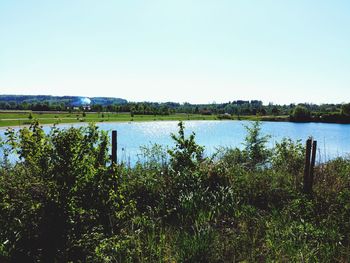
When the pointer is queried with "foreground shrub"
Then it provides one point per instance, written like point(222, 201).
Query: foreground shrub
point(58, 193)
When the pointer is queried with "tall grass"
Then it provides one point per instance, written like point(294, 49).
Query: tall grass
point(63, 202)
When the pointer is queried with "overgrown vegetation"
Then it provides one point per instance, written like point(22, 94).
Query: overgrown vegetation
point(62, 201)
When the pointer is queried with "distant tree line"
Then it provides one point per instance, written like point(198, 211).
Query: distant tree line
point(304, 112)
point(50, 103)
point(339, 113)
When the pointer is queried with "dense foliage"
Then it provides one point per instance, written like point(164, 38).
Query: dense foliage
point(301, 113)
point(63, 201)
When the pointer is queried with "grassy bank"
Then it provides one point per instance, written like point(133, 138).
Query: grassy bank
point(64, 202)
point(12, 118)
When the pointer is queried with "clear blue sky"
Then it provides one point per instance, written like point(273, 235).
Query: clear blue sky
point(199, 51)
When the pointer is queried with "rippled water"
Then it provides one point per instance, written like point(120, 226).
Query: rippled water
point(333, 139)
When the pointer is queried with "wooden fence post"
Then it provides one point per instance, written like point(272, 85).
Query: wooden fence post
point(310, 159)
point(307, 165)
point(313, 160)
point(114, 147)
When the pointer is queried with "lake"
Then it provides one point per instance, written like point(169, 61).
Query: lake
point(333, 139)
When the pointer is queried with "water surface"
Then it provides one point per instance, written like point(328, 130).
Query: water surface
point(333, 139)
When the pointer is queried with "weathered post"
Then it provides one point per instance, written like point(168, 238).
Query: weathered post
point(307, 166)
point(313, 160)
point(114, 147)
point(310, 159)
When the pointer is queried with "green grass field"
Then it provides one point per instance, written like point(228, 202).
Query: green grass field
point(11, 118)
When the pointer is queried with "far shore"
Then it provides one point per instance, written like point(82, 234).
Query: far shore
point(22, 119)
point(13, 119)
point(119, 121)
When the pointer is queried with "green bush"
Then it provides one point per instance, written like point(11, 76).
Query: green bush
point(187, 153)
point(255, 146)
point(288, 156)
point(301, 113)
point(345, 109)
point(59, 191)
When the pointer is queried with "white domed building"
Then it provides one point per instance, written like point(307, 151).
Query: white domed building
point(82, 102)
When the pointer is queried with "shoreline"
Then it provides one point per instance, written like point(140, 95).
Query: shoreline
point(139, 120)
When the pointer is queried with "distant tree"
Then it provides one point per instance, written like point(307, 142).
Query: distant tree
point(24, 106)
point(96, 108)
point(262, 111)
point(346, 109)
point(275, 110)
point(301, 113)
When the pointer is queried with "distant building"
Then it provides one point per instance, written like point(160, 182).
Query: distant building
point(82, 102)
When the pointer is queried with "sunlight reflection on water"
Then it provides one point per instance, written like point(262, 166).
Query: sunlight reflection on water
point(334, 139)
